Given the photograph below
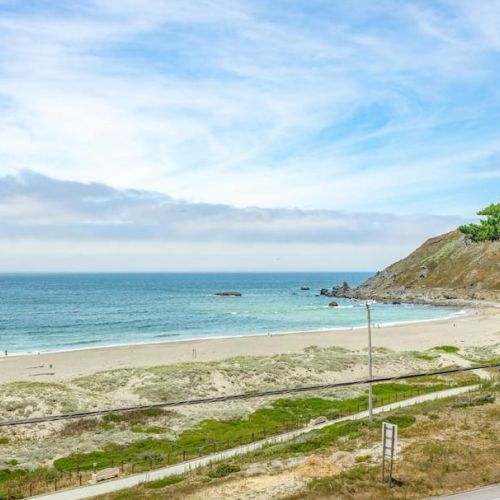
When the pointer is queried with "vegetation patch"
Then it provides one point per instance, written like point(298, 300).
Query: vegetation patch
point(223, 470)
point(166, 481)
point(136, 416)
point(447, 348)
point(339, 486)
point(425, 357)
point(402, 421)
point(482, 399)
point(148, 430)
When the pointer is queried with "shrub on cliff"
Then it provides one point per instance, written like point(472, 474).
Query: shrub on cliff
point(488, 228)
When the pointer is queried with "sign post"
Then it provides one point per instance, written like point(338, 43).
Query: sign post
point(389, 443)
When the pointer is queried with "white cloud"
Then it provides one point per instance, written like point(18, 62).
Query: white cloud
point(35, 206)
point(233, 102)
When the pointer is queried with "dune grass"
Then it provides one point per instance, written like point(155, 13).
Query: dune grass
point(450, 349)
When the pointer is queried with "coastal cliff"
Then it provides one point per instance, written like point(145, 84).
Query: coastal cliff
point(447, 269)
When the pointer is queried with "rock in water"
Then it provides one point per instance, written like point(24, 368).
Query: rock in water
point(228, 294)
point(343, 290)
point(304, 288)
point(333, 304)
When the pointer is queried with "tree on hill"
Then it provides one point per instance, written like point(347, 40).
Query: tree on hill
point(488, 228)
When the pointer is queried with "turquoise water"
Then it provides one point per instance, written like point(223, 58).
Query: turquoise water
point(48, 312)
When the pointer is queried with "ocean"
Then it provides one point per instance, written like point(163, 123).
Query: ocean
point(54, 312)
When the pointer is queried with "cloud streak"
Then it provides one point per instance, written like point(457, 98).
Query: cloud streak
point(38, 207)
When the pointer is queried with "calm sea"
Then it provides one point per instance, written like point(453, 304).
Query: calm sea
point(48, 312)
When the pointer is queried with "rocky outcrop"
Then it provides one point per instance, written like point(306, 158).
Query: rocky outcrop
point(228, 294)
point(446, 270)
point(333, 304)
point(343, 290)
point(304, 288)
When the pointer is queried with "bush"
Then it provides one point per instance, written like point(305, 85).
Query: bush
point(166, 481)
point(223, 470)
point(447, 348)
point(425, 357)
point(483, 399)
point(401, 421)
point(488, 228)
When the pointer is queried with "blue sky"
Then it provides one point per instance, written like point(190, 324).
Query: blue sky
point(311, 112)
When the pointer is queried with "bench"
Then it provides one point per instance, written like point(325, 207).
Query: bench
point(105, 474)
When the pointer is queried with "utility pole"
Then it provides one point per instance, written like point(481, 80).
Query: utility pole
point(370, 370)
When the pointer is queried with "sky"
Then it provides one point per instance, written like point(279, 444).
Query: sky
point(242, 135)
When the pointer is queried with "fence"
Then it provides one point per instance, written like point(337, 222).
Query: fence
point(55, 480)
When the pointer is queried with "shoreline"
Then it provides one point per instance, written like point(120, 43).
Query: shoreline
point(479, 328)
point(458, 314)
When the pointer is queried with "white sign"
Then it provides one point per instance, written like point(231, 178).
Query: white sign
point(389, 439)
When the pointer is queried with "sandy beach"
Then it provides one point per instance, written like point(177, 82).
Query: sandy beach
point(476, 328)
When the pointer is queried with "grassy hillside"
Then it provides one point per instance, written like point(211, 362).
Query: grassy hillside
point(449, 266)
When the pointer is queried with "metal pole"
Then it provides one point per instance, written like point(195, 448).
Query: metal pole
point(370, 370)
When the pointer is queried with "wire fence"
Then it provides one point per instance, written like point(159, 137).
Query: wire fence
point(81, 474)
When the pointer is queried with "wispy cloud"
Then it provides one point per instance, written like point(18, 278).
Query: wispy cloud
point(321, 104)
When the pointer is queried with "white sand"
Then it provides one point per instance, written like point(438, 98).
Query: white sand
point(479, 328)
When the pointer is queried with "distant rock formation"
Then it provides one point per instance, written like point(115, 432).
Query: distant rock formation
point(343, 290)
point(228, 294)
point(304, 288)
point(333, 304)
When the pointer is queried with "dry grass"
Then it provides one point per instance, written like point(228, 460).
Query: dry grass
point(450, 448)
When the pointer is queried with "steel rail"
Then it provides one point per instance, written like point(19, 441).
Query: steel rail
point(244, 395)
